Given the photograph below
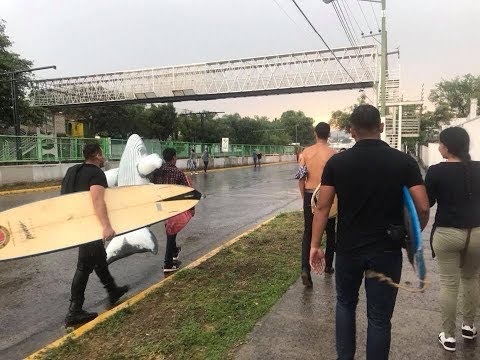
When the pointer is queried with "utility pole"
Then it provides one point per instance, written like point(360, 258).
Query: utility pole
point(383, 59)
point(383, 69)
point(13, 84)
point(202, 114)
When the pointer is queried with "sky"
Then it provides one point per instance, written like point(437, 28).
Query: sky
point(438, 39)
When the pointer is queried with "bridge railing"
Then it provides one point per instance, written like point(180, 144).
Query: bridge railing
point(48, 149)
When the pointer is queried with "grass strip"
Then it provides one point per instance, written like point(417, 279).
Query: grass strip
point(204, 312)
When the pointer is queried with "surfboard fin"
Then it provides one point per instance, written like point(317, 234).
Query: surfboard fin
point(192, 195)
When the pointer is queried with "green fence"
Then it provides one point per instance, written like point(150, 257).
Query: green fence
point(44, 149)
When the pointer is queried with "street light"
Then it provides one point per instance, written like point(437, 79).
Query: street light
point(13, 84)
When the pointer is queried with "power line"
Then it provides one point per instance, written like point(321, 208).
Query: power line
point(328, 47)
point(350, 34)
point(321, 38)
point(375, 16)
point(283, 10)
point(366, 21)
point(348, 12)
point(353, 16)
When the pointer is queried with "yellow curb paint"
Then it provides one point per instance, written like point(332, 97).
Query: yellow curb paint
point(48, 188)
point(21, 191)
point(141, 295)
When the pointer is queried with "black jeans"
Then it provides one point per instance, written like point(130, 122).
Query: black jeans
point(307, 235)
point(205, 163)
point(170, 249)
point(381, 299)
point(91, 256)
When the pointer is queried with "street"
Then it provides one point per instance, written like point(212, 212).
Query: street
point(35, 292)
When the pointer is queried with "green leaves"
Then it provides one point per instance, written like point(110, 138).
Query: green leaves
point(456, 94)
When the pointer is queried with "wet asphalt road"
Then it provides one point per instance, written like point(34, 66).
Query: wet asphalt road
point(34, 292)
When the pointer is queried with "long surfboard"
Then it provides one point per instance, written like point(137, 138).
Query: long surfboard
point(414, 243)
point(69, 220)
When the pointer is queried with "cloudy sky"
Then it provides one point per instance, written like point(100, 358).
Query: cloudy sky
point(437, 39)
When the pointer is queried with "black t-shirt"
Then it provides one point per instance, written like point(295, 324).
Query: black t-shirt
point(368, 180)
point(89, 175)
point(448, 184)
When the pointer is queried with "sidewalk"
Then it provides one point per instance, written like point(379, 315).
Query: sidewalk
point(302, 323)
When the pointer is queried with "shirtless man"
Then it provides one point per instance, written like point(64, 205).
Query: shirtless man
point(311, 163)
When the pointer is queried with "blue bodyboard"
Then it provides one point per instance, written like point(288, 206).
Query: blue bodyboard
point(414, 243)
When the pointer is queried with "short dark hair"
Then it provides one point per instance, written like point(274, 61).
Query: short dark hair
point(365, 117)
point(322, 130)
point(91, 150)
point(168, 154)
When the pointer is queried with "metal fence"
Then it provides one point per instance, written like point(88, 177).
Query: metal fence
point(44, 149)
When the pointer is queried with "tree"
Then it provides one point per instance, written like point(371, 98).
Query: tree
point(456, 93)
point(160, 121)
point(297, 126)
point(116, 121)
point(10, 61)
point(431, 123)
point(340, 119)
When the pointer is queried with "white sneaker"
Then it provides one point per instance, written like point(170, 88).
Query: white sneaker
point(469, 332)
point(447, 343)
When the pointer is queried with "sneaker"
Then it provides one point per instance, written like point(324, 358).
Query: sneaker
point(329, 270)
point(176, 252)
point(116, 294)
point(307, 279)
point(447, 343)
point(170, 268)
point(469, 332)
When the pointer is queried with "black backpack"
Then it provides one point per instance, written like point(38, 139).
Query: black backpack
point(68, 182)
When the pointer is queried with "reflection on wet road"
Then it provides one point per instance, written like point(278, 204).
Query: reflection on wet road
point(34, 292)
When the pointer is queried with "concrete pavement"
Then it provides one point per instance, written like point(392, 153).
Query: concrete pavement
point(302, 323)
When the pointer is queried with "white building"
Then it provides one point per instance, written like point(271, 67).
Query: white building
point(430, 154)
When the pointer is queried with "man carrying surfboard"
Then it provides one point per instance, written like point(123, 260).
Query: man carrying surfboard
point(92, 256)
point(311, 163)
point(168, 173)
point(368, 180)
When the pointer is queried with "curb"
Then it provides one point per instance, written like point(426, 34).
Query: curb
point(22, 191)
point(141, 295)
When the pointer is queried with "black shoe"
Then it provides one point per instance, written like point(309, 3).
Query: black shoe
point(115, 294)
point(329, 270)
point(76, 317)
point(176, 252)
point(307, 279)
point(171, 268)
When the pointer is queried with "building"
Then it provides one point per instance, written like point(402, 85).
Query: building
point(430, 155)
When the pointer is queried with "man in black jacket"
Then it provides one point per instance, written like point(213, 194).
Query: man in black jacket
point(92, 256)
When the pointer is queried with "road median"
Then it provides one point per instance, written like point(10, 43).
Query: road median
point(204, 311)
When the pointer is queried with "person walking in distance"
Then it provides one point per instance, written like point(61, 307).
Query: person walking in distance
point(368, 180)
point(205, 158)
point(92, 256)
point(312, 161)
point(193, 162)
point(168, 173)
point(255, 157)
point(455, 186)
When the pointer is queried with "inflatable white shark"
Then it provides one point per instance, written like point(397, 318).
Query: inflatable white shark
point(135, 165)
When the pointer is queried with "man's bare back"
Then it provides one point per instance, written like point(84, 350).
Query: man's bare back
point(314, 158)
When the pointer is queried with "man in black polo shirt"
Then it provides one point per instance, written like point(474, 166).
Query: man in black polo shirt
point(368, 181)
point(92, 256)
